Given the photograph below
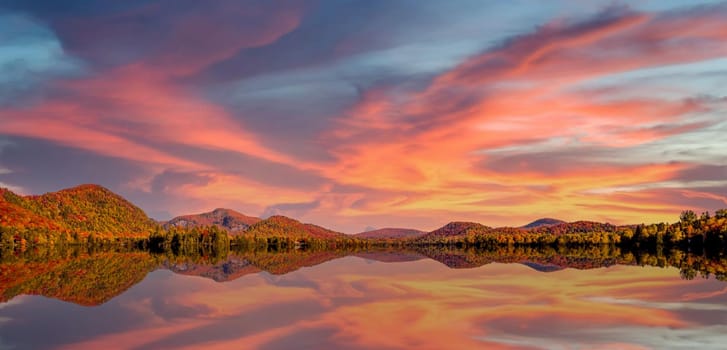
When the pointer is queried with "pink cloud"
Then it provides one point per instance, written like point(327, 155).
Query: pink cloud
point(405, 153)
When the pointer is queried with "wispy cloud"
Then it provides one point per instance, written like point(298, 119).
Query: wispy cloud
point(378, 120)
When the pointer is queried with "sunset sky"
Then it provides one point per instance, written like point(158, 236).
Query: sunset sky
point(372, 113)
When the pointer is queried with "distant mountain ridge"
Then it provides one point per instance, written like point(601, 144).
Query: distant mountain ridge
point(84, 212)
point(93, 209)
point(228, 219)
point(543, 222)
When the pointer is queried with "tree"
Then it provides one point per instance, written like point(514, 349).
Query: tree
point(6, 238)
point(674, 235)
point(640, 235)
point(688, 217)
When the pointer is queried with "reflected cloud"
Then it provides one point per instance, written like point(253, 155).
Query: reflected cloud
point(364, 304)
point(660, 305)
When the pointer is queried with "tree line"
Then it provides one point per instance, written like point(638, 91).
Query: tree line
point(692, 232)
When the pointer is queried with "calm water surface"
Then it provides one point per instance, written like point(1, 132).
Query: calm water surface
point(356, 303)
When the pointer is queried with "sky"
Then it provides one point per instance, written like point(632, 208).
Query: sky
point(373, 113)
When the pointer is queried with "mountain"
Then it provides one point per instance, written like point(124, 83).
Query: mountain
point(282, 226)
point(227, 219)
point(93, 214)
point(91, 210)
point(82, 209)
point(543, 222)
point(15, 214)
point(232, 268)
point(457, 228)
point(393, 233)
point(575, 227)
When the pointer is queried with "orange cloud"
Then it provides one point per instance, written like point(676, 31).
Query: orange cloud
point(472, 143)
point(525, 93)
point(141, 100)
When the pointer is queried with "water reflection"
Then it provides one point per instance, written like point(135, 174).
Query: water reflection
point(357, 300)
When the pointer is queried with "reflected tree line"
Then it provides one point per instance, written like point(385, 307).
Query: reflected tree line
point(93, 274)
point(92, 271)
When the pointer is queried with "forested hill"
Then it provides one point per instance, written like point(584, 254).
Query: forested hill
point(93, 214)
point(80, 210)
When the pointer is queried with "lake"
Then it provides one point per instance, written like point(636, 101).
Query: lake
point(354, 300)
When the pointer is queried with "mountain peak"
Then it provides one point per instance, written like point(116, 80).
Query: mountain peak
point(544, 222)
point(86, 188)
point(224, 211)
point(228, 219)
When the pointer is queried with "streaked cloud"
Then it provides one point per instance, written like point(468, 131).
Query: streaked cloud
point(394, 116)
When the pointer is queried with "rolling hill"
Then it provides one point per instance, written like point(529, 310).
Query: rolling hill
point(458, 228)
point(575, 227)
point(282, 226)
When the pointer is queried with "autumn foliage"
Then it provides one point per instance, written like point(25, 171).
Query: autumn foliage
point(93, 215)
point(75, 215)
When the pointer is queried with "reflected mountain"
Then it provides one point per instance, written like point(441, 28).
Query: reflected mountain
point(92, 277)
point(542, 267)
point(78, 277)
point(391, 256)
point(231, 269)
